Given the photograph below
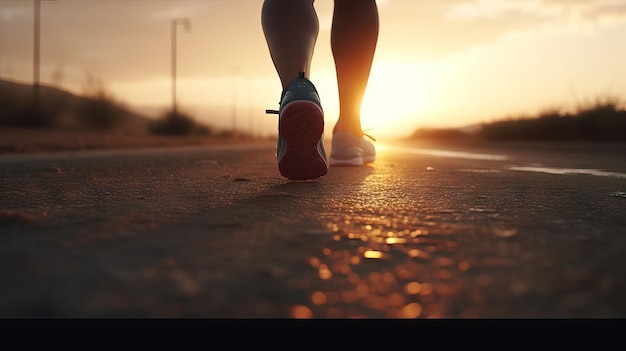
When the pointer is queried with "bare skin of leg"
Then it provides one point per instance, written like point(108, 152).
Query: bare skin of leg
point(291, 28)
point(353, 40)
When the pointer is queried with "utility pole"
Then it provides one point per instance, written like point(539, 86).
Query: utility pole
point(175, 22)
point(250, 113)
point(36, 47)
point(233, 106)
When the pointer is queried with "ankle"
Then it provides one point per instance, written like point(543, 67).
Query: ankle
point(348, 128)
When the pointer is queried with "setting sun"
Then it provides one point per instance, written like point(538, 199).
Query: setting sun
point(396, 94)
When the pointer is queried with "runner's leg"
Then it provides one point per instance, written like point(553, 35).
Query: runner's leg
point(291, 28)
point(353, 39)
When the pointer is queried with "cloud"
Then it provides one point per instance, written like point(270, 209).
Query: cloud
point(9, 13)
point(606, 12)
point(434, 30)
point(565, 13)
point(437, 29)
point(489, 10)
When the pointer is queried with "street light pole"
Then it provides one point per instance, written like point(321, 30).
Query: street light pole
point(233, 107)
point(36, 47)
point(175, 23)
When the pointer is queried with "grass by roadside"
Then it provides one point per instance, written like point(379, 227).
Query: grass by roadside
point(602, 120)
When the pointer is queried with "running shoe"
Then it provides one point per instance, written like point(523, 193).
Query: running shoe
point(300, 147)
point(351, 150)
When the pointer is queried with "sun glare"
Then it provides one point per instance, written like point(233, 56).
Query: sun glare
point(396, 93)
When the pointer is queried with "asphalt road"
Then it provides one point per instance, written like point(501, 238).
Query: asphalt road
point(512, 231)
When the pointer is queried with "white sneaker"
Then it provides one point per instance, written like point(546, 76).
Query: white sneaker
point(351, 150)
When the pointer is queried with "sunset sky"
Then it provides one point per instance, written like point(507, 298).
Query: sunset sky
point(439, 63)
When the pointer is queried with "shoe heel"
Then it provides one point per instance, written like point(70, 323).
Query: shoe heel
point(301, 126)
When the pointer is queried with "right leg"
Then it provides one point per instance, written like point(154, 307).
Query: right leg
point(353, 39)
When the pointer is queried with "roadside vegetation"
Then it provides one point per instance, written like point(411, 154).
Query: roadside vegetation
point(96, 109)
point(443, 134)
point(601, 120)
point(178, 123)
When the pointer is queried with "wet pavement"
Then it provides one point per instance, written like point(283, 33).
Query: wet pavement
point(482, 231)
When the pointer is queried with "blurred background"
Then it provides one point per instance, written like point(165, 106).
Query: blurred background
point(441, 67)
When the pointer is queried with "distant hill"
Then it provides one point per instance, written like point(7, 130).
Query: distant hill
point(64, 110)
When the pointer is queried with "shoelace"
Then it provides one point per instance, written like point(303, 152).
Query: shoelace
point(367, 135)
point(276, 112)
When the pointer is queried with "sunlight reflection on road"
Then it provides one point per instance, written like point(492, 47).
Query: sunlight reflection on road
point(380, 261)
point(441, 153)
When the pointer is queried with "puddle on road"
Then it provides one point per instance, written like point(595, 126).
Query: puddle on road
point(444, 153)
point(564, 171)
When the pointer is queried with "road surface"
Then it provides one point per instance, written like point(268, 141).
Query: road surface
point(512, 231)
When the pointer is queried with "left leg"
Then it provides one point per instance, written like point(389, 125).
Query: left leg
point(291, 28)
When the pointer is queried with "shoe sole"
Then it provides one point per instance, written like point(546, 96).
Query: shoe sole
point(301, 127)
point(357, 161)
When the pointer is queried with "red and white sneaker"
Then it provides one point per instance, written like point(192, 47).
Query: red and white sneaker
point(300, 147)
